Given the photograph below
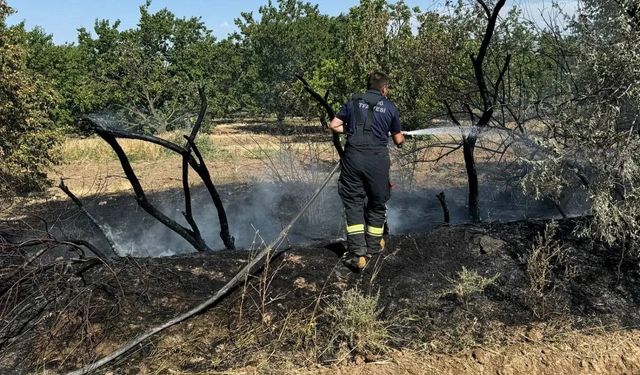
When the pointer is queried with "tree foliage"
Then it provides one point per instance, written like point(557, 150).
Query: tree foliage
point(147, 74)
point(27, 104)
point(288, 37)
point(591, 129)
point(578, 84)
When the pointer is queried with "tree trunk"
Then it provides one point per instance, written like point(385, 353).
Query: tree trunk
point(468, 147)
point(193, 238)
point(445, 208)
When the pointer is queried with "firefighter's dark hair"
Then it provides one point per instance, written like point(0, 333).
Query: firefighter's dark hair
point(376, 80)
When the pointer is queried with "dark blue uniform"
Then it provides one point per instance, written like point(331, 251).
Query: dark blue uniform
point(364, 179)
point(386, 117)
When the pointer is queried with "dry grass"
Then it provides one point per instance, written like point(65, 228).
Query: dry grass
point(548, 267)
point(94, 149)
point(240, 153)
point(355, 318)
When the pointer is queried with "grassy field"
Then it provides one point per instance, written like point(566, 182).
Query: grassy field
point(233, 154)
point(244, 152)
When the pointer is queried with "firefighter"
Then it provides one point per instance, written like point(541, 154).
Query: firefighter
point(366, 119)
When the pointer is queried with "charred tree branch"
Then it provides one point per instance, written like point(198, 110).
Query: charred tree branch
point(188, 212)
point(322, 100)
point(196, 163)
point(201, 168)
point(186, 155)
point(469, 141)
point(443, 155)
point(118, 133)
point(478, 60)
point(91, 218)
point(486, 9)
point(141, 197)
point(451, 115)
point(201, 114)
point(504, 69)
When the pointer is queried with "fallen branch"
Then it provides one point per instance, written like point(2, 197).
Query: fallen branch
point(222, 292)
point(76, 244)
point(94, 221)
point(49, 243)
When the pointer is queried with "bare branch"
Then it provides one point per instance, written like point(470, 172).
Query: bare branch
point(92, 219)
point(327, 107)
point(478, 60)
point(451, 115)
point(501, 77)
point(201, 168)
point(198, 165)
point(118, 133)
point(442, 155)
point(188, 212)
point(141, 198)
point(201, 114)
point(485, 7)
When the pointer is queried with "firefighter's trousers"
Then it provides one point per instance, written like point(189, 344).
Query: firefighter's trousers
point(364, 189)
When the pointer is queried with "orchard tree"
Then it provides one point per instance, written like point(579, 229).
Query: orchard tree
point(289, 37)
point(65, 67)
point(27, 133)
point(148, 74)
point(591, 132)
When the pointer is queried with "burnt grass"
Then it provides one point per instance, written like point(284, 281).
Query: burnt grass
point(68, 314)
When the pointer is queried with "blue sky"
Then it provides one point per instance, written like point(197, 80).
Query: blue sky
point(63, 17)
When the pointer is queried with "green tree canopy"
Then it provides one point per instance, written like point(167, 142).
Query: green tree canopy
point(27, 133)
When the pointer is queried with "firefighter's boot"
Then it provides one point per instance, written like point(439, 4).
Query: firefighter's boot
point(354, 261)
point(375, 240)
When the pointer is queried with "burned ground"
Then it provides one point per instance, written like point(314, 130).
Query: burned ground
point(262, 208)
point(460, 299)
point(280, 320)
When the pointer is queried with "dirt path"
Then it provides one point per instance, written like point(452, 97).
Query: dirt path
point(611, 353)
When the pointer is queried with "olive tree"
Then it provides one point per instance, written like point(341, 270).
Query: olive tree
point(589, 135)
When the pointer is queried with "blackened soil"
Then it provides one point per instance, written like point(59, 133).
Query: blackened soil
point(265, 322)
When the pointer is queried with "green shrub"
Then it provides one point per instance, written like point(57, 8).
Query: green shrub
point(468, 283)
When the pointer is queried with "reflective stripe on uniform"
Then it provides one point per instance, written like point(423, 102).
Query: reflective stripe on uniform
point(375, 231)
point(355, 229)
